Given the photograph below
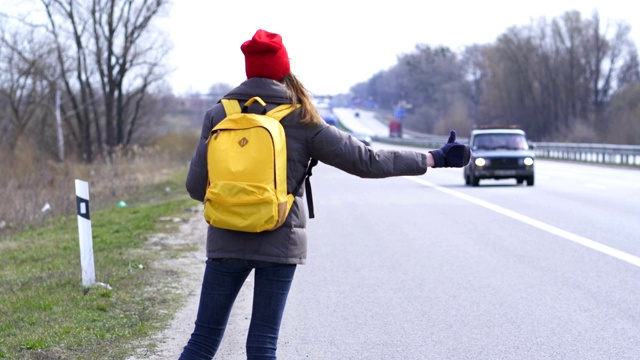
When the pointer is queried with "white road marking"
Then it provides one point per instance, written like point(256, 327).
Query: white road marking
point(604, 249)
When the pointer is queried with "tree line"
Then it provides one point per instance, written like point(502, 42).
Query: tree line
point(84, 79)
point(80, 75)
point(567, 79)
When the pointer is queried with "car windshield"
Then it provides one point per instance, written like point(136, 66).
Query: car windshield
point(500, 141)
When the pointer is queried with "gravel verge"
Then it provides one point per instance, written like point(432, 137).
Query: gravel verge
point(168, 343)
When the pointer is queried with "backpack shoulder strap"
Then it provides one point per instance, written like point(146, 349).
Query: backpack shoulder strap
point(281, 111)
point(231, 106)
point(307, 186)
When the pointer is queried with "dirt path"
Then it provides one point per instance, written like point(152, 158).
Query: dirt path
point(169, 342)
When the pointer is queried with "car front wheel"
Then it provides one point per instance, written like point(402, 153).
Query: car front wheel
point(474, 180)
point(530, 180)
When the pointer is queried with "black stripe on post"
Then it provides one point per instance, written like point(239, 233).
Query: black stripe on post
point(82, 207)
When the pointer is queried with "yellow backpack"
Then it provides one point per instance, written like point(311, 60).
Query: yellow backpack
point(247, 166)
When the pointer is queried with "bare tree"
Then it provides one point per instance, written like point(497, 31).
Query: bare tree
point(109, 56)
point(474, 70)
point(552, 77)
point(624, 114)
point(69, 39)
point(127, 59)
point(23, 82)
point(418, 78)
point(558, 79)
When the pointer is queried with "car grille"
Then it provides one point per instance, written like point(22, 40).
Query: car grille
point(504, 163)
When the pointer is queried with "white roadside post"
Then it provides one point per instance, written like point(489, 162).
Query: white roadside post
point(84, 231)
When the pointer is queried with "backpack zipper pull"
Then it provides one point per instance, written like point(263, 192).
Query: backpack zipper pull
point(213, 135)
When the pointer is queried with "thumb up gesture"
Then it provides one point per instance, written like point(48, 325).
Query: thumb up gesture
point(452, 154)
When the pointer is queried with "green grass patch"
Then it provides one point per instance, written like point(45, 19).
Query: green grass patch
point(46, 313)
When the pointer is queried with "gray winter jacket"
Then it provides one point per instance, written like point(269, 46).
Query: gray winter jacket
point(288, 243)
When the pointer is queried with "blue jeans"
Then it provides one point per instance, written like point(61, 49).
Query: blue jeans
point(222, 281)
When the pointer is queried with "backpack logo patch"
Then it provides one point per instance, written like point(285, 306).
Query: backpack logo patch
point(243, 142)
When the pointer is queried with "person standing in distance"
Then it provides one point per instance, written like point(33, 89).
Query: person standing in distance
point(273, 255)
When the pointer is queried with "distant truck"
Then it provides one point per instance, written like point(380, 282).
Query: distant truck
point(331, 120)
point(327, 114)
point(395, 128)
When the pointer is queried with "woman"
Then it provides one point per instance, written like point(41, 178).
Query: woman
point(274, 255)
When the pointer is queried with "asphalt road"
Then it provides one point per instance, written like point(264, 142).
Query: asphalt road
point(427, 268)
point(365, 123)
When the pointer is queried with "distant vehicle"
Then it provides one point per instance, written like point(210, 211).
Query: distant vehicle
point(364, 138)
point(327, 115)
point(499, 153)
point(395, 128)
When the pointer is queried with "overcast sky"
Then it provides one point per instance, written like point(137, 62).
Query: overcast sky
point(334, 44)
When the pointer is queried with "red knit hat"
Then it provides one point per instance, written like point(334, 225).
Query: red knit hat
point(265, 56)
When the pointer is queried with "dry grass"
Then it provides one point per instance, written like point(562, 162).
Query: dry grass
point(28, 182)
point(44, 285)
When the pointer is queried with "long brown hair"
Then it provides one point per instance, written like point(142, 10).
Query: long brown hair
point(300, 95)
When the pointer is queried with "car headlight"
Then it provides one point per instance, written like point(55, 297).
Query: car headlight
point(480, 162)
point(528, 161)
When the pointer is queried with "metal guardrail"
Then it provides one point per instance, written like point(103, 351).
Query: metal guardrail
point(595, 153)
point(592, 153)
